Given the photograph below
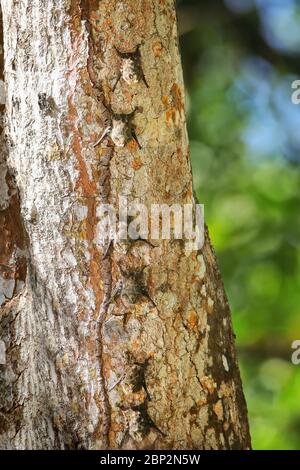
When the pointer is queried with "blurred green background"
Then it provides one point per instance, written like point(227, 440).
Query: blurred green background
point(240, 58)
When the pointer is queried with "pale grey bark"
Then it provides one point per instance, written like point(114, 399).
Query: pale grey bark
point(154, 365)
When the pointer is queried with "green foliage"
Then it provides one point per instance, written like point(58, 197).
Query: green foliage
point(252, 199)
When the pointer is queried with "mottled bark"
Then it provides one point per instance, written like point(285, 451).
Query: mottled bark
point(128, 346)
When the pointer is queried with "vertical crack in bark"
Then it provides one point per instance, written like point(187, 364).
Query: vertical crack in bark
point(104, 193)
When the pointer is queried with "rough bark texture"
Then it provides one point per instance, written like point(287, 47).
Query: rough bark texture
point(134, 349)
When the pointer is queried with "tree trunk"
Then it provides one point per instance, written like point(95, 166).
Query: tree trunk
point(122, 345)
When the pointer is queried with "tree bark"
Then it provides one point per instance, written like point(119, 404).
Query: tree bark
point(127, 345)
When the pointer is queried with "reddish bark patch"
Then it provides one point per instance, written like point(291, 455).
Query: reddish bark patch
point(12, 264)
point(87, 189)
point(136, 164)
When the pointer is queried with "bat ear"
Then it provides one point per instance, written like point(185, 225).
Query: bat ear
point(116, 83)
point(120, 53)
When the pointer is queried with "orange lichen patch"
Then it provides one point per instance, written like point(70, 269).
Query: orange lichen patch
point(89, 118)
point(106, 24)
point(208, 383)
point(165, 101)
point(202, 402)
point(195, 278)
point(189, 192)
point(107, 364)
point(171, 115)
point(225, 390)
point(132, 145)
point(139, 396)
point(135, 398)
point(115, 427)
point(218, 410)
point(177, 97)
point(136, 164)
point(193, 320)
point(179, 153)
point(151, 354)
point(135, 344)
point(157, 48)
